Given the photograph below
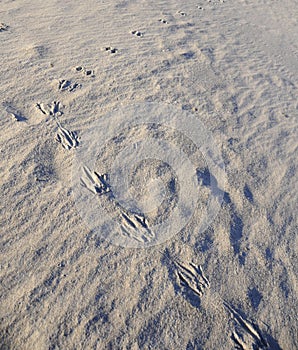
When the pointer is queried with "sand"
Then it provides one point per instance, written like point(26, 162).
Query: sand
point(72, 73)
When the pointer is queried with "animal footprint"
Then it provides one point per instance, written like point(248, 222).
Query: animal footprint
point(111, 49)
point(52, 109)
point(182, 13)
point(66, 85)
point(135, 226)
point(137, 33)
point(192, 277)
point(79, 69)
point(215, 2)
point(68, 139)
point(3, 27)
point(88, 72)
point(95, 182)
point(246, 334)
point(163, 21)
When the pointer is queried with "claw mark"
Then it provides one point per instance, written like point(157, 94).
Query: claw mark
point(64, 84)
point(248, 327)
point(95, 182)
point(68, 139)
point(192, 277)
point(41, 107)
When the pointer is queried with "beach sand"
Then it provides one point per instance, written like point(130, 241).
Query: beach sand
point(67, 65)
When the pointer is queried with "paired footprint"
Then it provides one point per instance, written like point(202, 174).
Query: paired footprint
point(84, 71)
point(211, 2)
point(163, 21)
point(111, 50)
point(137, 33)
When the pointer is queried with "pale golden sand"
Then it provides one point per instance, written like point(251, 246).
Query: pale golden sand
point(65, 65)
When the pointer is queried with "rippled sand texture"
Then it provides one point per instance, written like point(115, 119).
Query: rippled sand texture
point(65, 65)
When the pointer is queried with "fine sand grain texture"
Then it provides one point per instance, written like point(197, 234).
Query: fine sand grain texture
point(66, 65)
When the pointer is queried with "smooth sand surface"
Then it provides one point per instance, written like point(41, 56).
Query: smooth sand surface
point(66, 64)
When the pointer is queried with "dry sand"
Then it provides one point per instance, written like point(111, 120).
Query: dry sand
point(233, 65)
